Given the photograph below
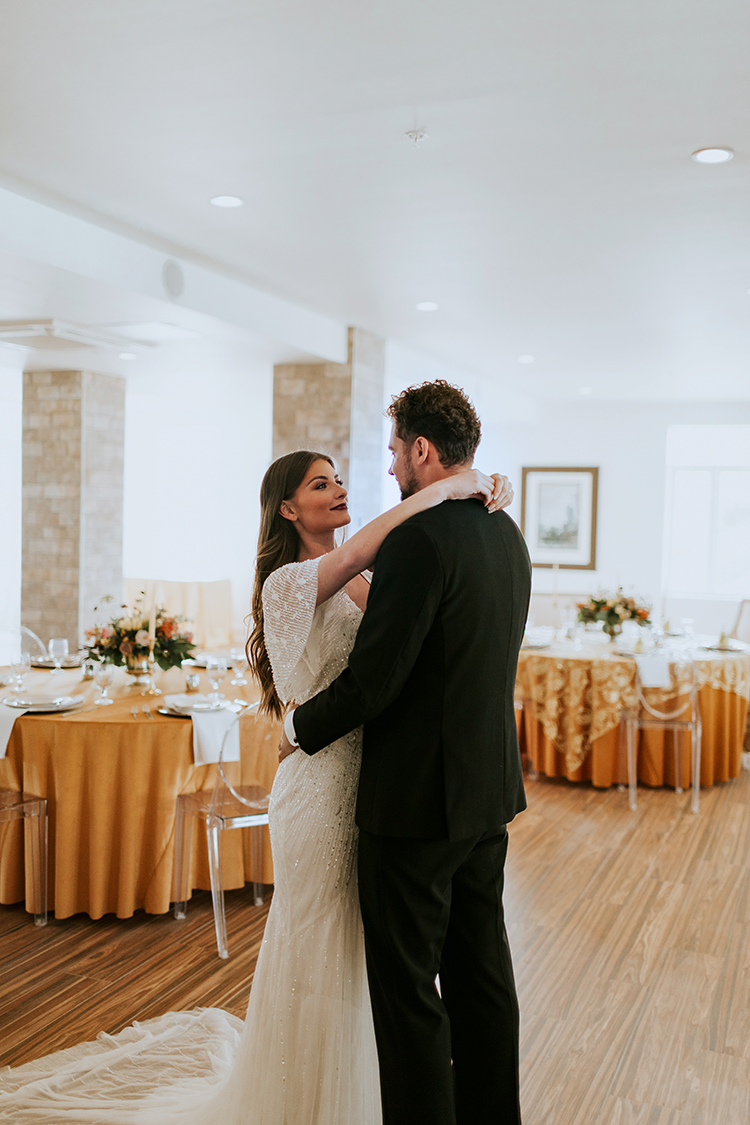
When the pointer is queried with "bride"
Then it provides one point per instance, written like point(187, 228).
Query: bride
point(305, 1054)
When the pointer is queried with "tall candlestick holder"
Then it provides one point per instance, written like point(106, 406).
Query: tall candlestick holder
point(152, 689)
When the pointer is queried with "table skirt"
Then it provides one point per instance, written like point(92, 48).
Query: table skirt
point(723, 718)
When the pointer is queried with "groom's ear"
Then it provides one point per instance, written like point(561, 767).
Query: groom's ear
point(287, 511)
point(420, 450)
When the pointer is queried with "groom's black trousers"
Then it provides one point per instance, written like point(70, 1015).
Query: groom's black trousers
point(429, 907)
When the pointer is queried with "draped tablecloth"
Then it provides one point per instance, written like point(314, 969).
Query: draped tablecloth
point(111, 782)
point(574, 697)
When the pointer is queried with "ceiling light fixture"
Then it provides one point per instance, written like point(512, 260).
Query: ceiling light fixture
point(416, 135)
point(525, 359)
point(227, 201)
point(713, 155)
point(427, 306)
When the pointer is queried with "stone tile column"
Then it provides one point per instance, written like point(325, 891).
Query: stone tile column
point(337, 408)
point(73, 430)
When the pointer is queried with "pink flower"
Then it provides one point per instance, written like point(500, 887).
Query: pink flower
point(126, 648)
point(142, 638)
point(106, 632)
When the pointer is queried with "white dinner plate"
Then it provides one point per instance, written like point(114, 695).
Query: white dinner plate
point(173, 713)
point(46, 662)
point(41, 703)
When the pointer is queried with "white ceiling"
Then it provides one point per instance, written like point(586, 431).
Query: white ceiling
point(553, 208)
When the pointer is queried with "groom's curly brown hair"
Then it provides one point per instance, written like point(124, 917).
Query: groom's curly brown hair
point(441, 413)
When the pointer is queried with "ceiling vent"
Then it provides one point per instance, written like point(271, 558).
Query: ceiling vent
point(56, 335)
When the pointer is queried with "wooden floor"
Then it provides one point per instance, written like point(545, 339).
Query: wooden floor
point(630, 934)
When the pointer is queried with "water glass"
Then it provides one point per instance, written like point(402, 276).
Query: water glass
point(58, 650)
point(104, 674)
point(239, 666)
point(216, 670)
point(20, 666)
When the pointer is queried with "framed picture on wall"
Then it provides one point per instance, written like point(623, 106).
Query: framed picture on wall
point(558, 516)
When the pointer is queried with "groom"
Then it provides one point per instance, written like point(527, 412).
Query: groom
point(431, 677)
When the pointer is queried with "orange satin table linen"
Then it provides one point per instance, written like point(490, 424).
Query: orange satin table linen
point(576, 694)
point(111, 782)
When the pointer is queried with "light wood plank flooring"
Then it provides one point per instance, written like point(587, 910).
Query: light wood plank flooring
point(631, 939)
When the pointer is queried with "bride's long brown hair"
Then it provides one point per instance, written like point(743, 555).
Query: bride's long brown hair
point(278, 544)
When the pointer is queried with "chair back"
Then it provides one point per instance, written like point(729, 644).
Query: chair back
point(676, 702)
point(218, 797)
point(741, 630)
point(32, 644)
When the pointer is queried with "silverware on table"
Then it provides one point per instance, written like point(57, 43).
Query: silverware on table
point(147, 711)
point(134, 711)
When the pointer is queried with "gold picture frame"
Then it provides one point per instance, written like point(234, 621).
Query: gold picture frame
point(558, 515)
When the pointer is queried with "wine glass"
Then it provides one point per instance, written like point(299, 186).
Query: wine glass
point(58, 650)
point(216, 670)
point(104, 674)
point(20, 666)
point(239, 666)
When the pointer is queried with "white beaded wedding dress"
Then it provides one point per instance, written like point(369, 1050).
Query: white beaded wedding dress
point(305, 1054)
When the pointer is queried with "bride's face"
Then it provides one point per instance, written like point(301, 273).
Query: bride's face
point(319, 504)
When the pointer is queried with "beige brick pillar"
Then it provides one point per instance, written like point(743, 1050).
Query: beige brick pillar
point(337, 408)
point(73, 431)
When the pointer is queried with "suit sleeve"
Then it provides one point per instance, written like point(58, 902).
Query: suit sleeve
point(404, 598)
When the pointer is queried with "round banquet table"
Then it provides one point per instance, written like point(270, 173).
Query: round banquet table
point(111, 782)
point(573, 698)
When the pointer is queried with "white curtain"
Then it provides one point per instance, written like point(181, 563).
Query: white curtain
point(206, 606)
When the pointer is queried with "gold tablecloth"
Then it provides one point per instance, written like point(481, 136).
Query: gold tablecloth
point(111, 782)
point(573, 703)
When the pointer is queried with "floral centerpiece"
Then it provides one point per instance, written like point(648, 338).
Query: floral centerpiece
point(125, 639)
point(613, 610)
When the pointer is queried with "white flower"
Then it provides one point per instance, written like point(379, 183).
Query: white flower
point(142, 637)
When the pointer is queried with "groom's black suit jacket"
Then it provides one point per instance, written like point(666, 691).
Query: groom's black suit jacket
point(431, 677)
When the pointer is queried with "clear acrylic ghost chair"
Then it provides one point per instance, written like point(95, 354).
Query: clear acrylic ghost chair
point(33, 645)
point(33, 811)
point(741, 629)
point(679, 713)
point(226, 806)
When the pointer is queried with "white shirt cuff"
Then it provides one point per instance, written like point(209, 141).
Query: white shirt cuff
point(289, 730)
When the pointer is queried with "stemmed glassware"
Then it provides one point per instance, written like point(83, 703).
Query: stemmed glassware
point(20, 666)
point(239, 666)
point(58, 650)
point(216, 670)
point(104, 674)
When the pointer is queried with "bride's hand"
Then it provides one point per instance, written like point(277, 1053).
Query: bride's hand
point(496, 491)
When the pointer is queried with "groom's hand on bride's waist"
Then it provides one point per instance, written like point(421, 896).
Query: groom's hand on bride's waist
point(288, 741)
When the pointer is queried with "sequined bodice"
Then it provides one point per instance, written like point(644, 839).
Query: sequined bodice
point(308, 646)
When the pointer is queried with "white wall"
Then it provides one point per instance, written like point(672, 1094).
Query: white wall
point(197, 442)
point(627, 441)
point(11, 430)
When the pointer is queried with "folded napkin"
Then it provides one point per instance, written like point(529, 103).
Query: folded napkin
point(209, 728)
point(8, 716)
point(654, 670)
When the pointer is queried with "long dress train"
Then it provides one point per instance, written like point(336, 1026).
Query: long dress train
point(305, 1054)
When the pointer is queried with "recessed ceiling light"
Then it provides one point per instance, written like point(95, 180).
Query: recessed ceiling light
point(127, 355)
point(427, 306)
point(713, 155)
point(584, 390)
point(525, 359)
point(227, 201)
